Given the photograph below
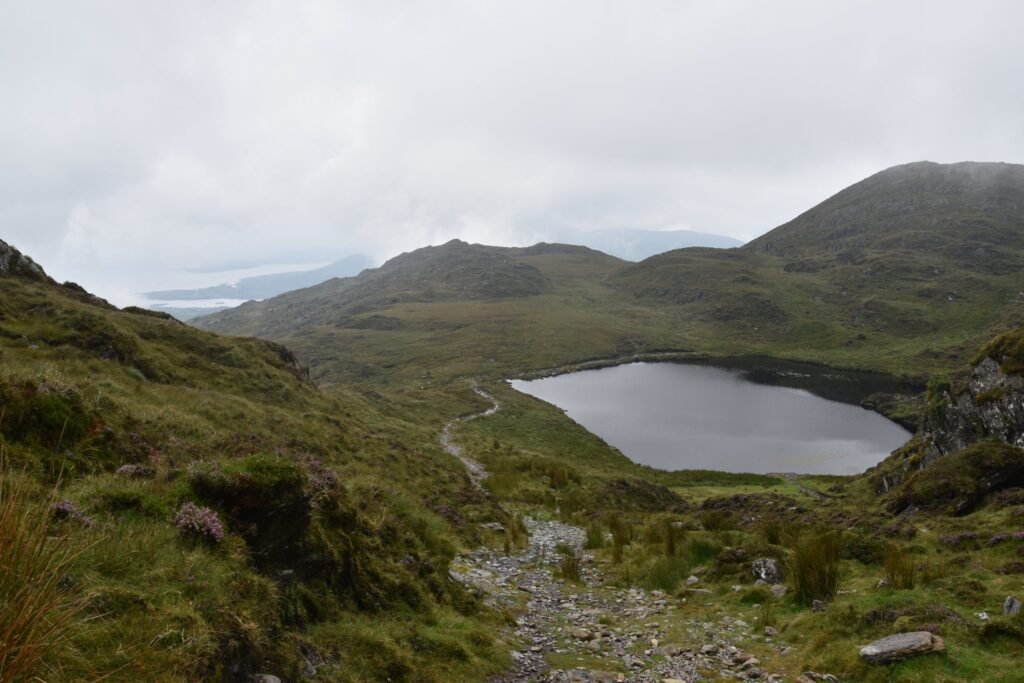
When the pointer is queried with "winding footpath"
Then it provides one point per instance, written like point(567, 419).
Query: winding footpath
point(596, 633)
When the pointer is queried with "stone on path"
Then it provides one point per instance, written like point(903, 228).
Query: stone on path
point(902, 645)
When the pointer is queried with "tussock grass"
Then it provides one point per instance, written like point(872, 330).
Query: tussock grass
point(570, 566)
point(814, 565)
point(900, 568)
point(39, 607)
point(717, 520)
point(595, 536)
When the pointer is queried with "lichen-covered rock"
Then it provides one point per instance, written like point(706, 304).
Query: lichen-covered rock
point(767, 570)
point(992, 405)
point(902, 645)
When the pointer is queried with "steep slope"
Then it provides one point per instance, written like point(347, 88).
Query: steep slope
point(229, 518)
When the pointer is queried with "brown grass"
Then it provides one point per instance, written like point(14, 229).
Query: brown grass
point(39, 608)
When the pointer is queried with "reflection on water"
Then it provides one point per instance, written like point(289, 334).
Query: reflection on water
point(674, 416)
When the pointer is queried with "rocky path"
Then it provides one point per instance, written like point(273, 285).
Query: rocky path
point(588, 631)
point(476, 471)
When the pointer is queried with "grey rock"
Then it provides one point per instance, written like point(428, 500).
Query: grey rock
point(265, 678)
point(819, 606)
point(1011, 606)
point(902, 645)
point(692, 580)
point(766, 569)
point(779, 591)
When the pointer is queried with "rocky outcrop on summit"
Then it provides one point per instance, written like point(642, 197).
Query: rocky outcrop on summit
point(13, 262)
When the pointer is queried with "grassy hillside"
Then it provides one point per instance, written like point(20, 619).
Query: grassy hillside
point(914, 267)
point(219, 515)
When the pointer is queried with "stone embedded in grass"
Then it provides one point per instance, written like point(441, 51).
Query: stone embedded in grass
point(1011, 607)
point(66, 510)
point(135, 471)
point(201, 522)
point(902, 645)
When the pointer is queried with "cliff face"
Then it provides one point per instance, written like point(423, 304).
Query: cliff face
point(991, 406)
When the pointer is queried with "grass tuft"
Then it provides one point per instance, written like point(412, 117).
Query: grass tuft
point(38, 604)
point(814, 566)
point(900, 569)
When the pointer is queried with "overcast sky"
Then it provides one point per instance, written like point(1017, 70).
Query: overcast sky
point(142, 138)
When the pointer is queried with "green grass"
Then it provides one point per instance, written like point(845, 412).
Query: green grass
point(233, 424)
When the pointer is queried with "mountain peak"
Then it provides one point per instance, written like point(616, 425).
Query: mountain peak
point(922, 206)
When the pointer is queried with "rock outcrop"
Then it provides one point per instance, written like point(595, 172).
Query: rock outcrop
point(983, 411)
point(13, 262)
point(991, 405)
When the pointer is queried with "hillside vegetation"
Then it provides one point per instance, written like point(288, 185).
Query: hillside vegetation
point(221, 516)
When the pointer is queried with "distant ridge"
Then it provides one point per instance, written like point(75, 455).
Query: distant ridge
point(633, 244)
point(265, 286)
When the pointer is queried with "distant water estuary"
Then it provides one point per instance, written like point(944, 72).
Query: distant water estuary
point(680, 416)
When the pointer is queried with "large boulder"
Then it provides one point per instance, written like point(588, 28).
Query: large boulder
point(902, 645)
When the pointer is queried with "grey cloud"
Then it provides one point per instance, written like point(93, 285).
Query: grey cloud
point(140, 138)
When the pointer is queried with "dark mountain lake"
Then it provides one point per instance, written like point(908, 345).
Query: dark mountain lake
point(680, 416)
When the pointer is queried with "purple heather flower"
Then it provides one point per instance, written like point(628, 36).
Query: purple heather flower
point(203, 522)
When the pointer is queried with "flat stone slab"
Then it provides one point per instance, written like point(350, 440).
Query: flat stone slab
point(902, 645)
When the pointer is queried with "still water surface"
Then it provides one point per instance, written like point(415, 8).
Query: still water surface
point(675, 416)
